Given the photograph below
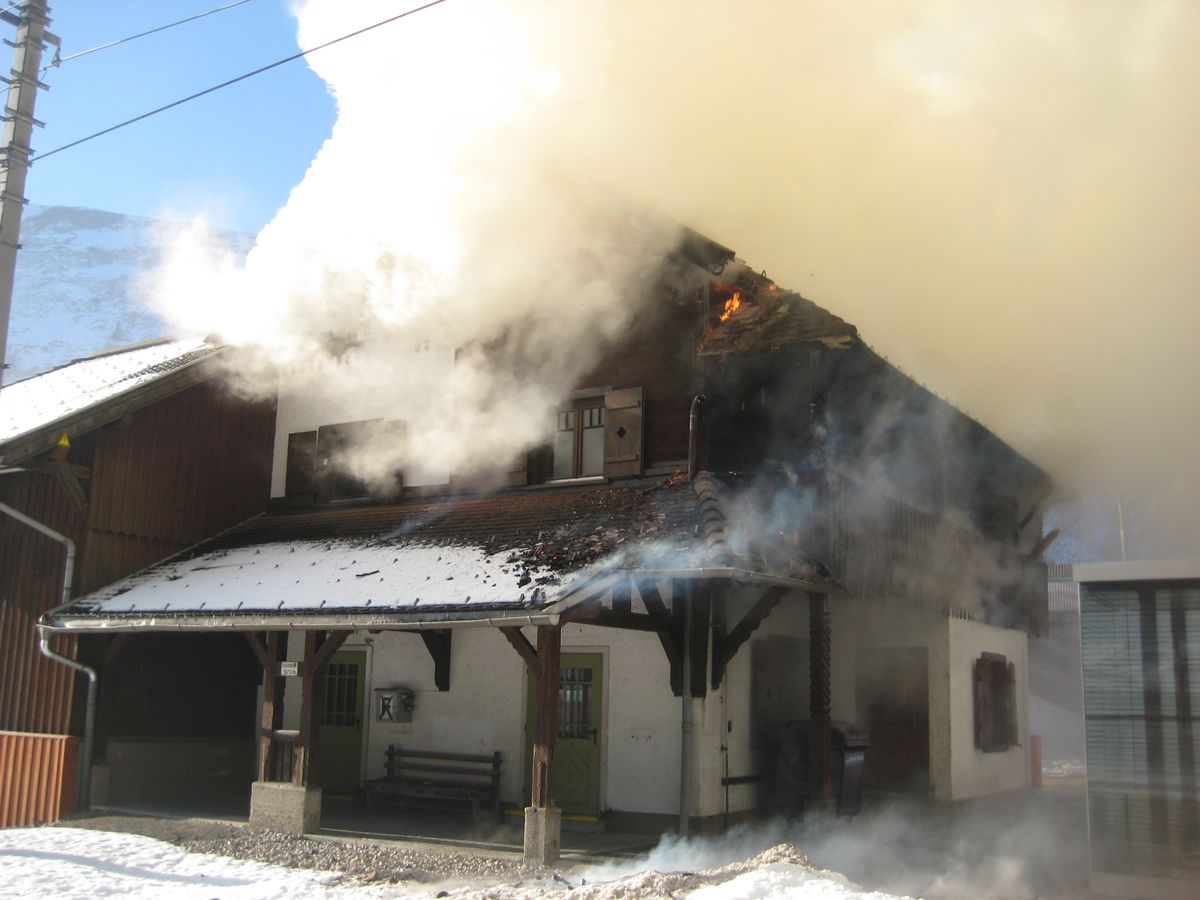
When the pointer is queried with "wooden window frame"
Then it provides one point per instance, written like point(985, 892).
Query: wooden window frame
point(581, 405)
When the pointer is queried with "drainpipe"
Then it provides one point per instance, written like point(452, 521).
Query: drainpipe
point(695, 426)
point(89, 722)
point(685, 727)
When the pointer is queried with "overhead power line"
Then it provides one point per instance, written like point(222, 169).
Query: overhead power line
point(59, 60)
point(225, 84)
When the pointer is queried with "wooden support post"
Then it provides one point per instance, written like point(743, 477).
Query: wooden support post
point(820, 777)
point(272, 710)
point(302, 754)
point(546, 732)
point(726, 645)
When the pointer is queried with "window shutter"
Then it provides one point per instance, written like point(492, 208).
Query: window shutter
point(623, 432)
point(300, 485)
point(518, 473)
point(1010, 706)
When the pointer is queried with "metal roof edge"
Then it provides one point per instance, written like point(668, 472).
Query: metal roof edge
point(294, 621)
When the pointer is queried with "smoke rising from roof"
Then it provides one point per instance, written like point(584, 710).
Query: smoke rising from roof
point(1002, 196)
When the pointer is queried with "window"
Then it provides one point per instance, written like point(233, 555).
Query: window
point(579, 440)
point(995, 703)
point(321, 464)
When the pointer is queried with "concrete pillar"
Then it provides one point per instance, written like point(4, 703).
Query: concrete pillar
point(543, 829)
point(280, 806)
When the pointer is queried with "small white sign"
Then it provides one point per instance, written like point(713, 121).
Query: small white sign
point(289, 667)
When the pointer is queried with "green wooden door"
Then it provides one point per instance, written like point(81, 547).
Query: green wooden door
point(339, 739)
point(577, 749)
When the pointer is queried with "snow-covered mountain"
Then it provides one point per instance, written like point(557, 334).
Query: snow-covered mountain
point(76, 284)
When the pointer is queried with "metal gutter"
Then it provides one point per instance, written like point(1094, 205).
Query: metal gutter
point(43, 632)
point(83, 623)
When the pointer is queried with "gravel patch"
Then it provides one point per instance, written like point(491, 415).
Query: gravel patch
point(362, 860)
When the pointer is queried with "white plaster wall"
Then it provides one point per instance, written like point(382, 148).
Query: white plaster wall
point(304, 411)
point(856, 627)
point(643, 721)
point(482, 712)
point(974, 772)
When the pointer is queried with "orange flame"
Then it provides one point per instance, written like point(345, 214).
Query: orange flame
point(731, 305)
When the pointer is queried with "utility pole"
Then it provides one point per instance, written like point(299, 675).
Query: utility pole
point(23, 83)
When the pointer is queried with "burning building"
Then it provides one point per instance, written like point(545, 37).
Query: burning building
point(741, 532)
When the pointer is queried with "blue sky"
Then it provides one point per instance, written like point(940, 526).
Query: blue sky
point(233, 155)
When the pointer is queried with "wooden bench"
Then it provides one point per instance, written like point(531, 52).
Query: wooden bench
point(427, 775)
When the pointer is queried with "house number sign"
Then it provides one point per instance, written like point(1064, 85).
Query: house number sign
point(289, 667)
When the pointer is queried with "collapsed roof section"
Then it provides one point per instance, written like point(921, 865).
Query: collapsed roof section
point(510, 557)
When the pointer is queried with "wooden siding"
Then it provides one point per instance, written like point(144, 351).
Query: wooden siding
point(37, 778)
point(172, 474)
point(657, 355)
point(181, 471)
point(35, 693)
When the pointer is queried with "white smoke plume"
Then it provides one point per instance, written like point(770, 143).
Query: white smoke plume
point(1002, 197)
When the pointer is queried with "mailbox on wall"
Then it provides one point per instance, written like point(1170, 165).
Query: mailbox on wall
point(394, 704)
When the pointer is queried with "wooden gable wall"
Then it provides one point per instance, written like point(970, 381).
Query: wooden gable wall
point(161, 480)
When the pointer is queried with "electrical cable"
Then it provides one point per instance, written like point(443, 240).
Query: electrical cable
point(243, 77)
point(133, 37)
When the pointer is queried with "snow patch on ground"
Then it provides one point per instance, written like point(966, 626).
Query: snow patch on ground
point(73, 864)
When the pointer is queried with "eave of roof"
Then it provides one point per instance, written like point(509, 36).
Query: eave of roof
point(468, 561)
point(191, 365)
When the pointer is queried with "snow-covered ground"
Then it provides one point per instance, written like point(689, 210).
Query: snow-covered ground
point(74, 863)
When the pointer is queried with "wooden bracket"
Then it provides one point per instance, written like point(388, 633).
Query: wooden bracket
point(725, 647)
point(322, 653)
point(671, 637)
point(259, 650)
point(525, 649)
point(437, 642)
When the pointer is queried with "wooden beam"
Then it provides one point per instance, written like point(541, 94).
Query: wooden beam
point(437, 642)
point(820, 778)
point(257, 646)
point(327, 648)
point(725, 648)
point(622, 597)
point(302, 752)
point(549, 647)
point(271, 709)
point(672, 638)
point(525, 649)
point(115, 645)
point(604, 618)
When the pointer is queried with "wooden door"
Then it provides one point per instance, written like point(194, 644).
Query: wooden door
point(577, 757)
point(340, 718)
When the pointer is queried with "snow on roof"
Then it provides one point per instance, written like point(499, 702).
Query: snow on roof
point(43, 399)
point(330, 576)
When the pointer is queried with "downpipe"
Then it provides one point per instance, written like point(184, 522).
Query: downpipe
point(84, 795)
point(695, 435)
point(685, 719)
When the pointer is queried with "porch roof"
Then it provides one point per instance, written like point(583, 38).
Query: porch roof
point(519, 557)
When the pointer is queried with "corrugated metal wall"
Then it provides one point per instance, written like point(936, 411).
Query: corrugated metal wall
point(37, 777)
